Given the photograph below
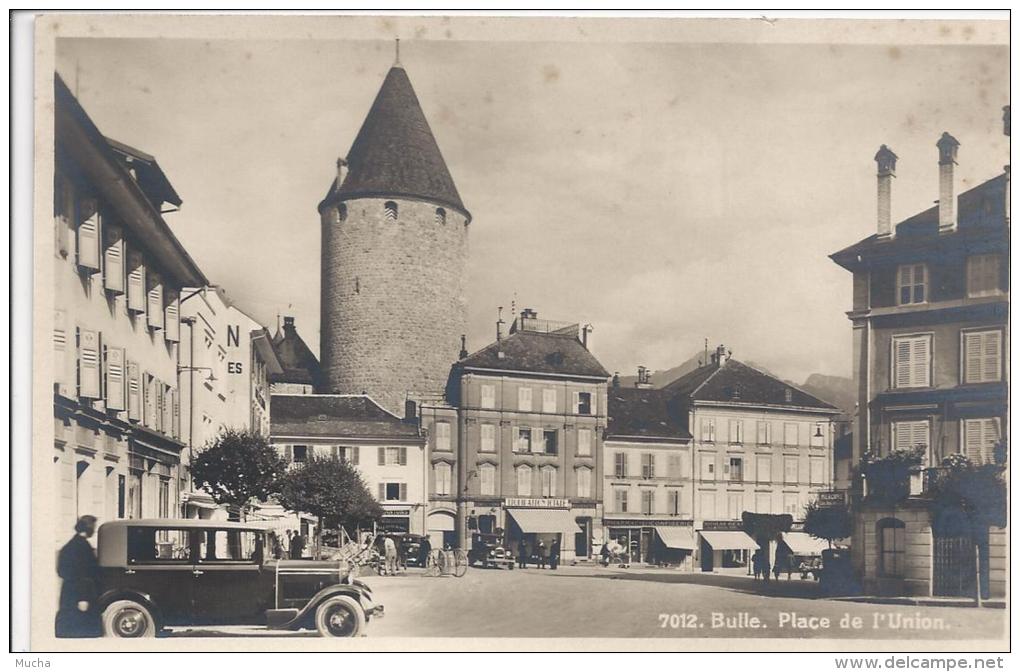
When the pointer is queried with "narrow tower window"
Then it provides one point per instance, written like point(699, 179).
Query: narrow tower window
point(390, 210)
point(440, 216)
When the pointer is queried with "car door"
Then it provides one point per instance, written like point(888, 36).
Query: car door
point(230, 584)
point(160, 565)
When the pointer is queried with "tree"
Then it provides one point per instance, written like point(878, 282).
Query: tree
point(237, 467)
point(766, 527)
point(331, 489)
point(828, 522)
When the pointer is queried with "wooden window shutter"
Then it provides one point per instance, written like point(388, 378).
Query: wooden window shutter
point(134, 392)
point(88, 235)
point(973, 438)
point(593, 407)
point(176, 428)
point(382, 492)
point(920, 362)
point(577, 402)
point(902, 351)
point(154, 301)
point(113, 259)
point(403, 492)
point(172, 317)
point(88, 364)
point(403, 456)
point(161, 416)
point(115, 382)
point(149, 401)
point(356, 452)
point(135, 281)
point(60, 356)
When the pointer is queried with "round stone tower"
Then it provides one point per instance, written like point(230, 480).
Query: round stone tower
point(394, 248)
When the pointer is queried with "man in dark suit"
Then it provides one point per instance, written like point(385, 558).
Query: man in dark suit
point(79, 569)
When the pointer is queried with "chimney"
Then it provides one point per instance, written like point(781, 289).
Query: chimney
point(720, 355)
point(288, 324)
point(643, 379)
point(341, 171)
point(886, 161)
point(947, 145)
point(1005, 120)
point(616, 379)
point(499, 325)
point(463, 346)
point(584, 335)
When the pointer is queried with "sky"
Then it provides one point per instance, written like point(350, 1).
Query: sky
point(663, 192)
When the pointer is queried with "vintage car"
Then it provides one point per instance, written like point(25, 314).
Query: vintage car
point(156, 573)
point(487, 550)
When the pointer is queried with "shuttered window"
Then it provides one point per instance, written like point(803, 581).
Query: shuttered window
point(136, 298)
point(488, 396)
point(488, 442)
point(149, 398)
point(584, 442)
point(524, 399)
point(176, 410)
point(134, 391)
point(736, 431)
point(487, 478)
point(763, 466)
point(584, 482)
point(115, 378)
point(548, 400)
point(60, 350)
point(648, 502)
point(791, 470)
point(154, 301)
point(88, 364)
point(113, 259)
point(620, 465)
point(524, 480)
point(979, 438)
point(708, 429)
point(675, 466)
point(911, 434)
point(707, 467)
point(911, 361)
point(443, 436)
point(983, 274)
point(764, 433)
point(172, 317)
point(982, 356)
point(912, 284)
point(88, 235)
point(548, 481)
point(648, 465)
point(817, 470)
point(791, 434)
point(443, 477)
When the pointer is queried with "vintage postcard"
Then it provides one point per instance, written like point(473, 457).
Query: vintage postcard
point(521, 333)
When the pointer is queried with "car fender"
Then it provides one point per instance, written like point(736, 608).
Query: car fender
point(144, 599)
point(329, 591)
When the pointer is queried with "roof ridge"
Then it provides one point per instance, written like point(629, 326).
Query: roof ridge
point(779, 380)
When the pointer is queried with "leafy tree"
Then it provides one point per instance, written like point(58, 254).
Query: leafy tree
point(828, 522)
point(237, 467)
point(331, 489)
point(766, 527)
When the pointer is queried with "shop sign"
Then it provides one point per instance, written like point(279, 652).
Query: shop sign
point(396, 512)
point(833, 498)
point(644, 522)
point(536, 503)
point(723, 526)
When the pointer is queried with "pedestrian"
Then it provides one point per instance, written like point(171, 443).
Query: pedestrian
point(605, 554)
point(285, 543)
point(522, 555)
point(756, 564)
point(391, 555)
point(424, 552)
point(542, 554)
point(766, 567)
point(297, 546)
point(275, 545)
point(78, 568)
point(554, 554)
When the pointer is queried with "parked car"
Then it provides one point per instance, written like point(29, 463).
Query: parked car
point(409, 548)
point(487, 550)
point(156, 573)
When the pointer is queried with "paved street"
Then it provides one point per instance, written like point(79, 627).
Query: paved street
point(597, 602)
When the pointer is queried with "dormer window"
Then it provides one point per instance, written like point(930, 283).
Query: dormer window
point(390, 210)
point(912, 284)
point(440, 216)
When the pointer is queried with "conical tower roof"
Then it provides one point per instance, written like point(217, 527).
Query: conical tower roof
point(395, 153)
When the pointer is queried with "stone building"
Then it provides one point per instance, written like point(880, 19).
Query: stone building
point(300, 367)
point(118, 273)
point(517, 444)
point(930, 322)
point(394, 248)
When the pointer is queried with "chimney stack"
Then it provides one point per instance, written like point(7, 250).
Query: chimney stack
point(886, 161)
point(584, 335)
point(288, 323)
point(499, 324)
point(643, 379)
point(947, 145)
point(463, 346)
point(616, 379)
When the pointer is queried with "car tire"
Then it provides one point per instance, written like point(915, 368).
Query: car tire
point(128, 619)
point(340, 616)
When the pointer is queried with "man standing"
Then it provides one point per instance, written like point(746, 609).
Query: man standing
point(297, 546)
point(391, 556)
point(542, 551)
point(522, 555)
point(77, 566)
point(554, 554)
point(424, 551)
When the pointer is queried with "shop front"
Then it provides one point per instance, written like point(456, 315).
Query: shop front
point(395, 520)
point(666, 542)
point(724, 544)
point(545, 521)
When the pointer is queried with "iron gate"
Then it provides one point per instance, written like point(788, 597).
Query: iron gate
point(953, 568)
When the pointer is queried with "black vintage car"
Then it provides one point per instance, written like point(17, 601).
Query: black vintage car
point(157, 573)
point(487, 550)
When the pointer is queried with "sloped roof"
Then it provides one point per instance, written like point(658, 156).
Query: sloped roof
point(299, 365)
point(645, 413)
point(737, 382)
point(978, 210)
point(537, 352)
point(354, 415)
point(395, 153)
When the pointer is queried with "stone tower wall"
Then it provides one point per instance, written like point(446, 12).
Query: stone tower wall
point(392, 298)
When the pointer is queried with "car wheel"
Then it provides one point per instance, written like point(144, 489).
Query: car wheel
point(126, 618)
point(340, 616)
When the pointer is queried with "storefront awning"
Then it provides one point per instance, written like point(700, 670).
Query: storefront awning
point(676, 537)
point(729, 541)
point(199, 500)
point(541, 521)
point(804, 544)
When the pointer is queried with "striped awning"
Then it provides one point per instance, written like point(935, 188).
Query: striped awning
point(542, 521)
point(804, 544)
point(676, 537)
point(729, 541)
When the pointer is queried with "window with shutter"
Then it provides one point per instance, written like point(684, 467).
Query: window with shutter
point(673, 467)
point(911, 361)
point(911, 434)
point(791, 470)
point(707, 502)
point(488, 396)
point(584, 442)
point(154, 305)
point(403, 492)
point(136, 297)
point(736, 431)
point(288, 454)
point(548, 400)
point(763, 503)
point(983, 274)
point(488, 443)
point(442, 436)
point(764, 433)
point(982, 356)
point(88, 364)
point(382, 456)
point(584, 482)
point(134, 391)
point(488, 479)
point(648, 465)
point(620, 465)
point(176, 414)
point(524, 481)
point(620, 498)
point(707, 467)
point(524, 399)
point(160, 412)
point(403, 456)
point(817, 470)
point(113, 259)
point(172, 317)
point(149, 401)
point(708, 429)
point(548, 481)
point(980, 435)
point(764, 469)
point(88, 235)
point(382, 492)
point(791, 434)
point(60, 356)
point(647, 502)
point(114, 378)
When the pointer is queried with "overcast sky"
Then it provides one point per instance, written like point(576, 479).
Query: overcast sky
point(664, 193)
